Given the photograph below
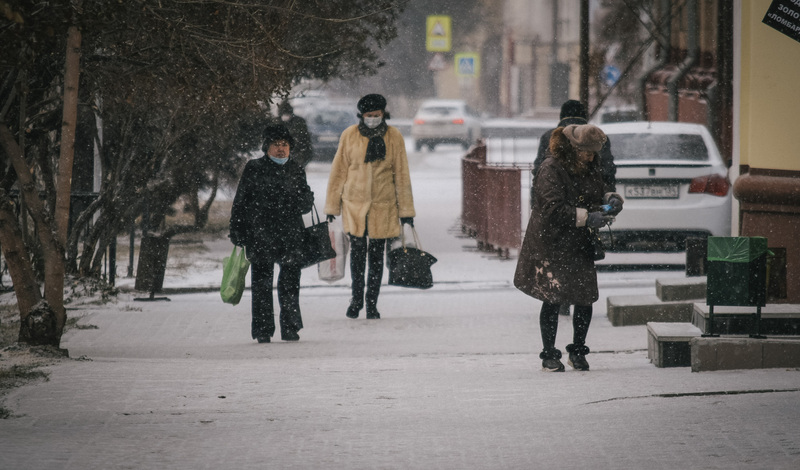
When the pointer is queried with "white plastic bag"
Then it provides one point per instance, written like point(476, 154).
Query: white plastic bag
point(333, 269)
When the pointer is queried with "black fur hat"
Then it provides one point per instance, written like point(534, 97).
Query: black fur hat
point(275, 132)
point(371, 102)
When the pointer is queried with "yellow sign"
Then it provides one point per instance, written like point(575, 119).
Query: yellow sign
point(468, 64)
point(438, 34)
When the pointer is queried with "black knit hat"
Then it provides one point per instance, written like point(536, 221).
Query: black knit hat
point(572, 109)
point(371, 102)
point(285, 108)
point(275, 132)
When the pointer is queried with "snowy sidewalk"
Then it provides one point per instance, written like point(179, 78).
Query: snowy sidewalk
point(449, 378)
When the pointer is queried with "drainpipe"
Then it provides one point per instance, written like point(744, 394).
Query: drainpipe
point(554, 53)
point(665, 36)
point(693, 53)
point(584, 54)
point(720, 91)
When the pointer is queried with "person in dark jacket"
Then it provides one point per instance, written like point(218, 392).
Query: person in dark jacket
point(302, 151)
point(574, 112)
point(267, 219)
point(556, 261)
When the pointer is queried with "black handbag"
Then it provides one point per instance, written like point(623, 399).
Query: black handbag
point(596, 248)
point(317, 245)
point(410, 266)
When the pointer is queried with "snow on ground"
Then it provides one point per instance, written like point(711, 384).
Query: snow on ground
point(449, 378)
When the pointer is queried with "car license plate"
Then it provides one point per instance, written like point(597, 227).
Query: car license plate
point(655, 191)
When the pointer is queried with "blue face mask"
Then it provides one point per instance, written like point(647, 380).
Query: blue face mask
point(279, 161)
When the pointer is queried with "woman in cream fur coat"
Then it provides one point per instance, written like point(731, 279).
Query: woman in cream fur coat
point(370, 187)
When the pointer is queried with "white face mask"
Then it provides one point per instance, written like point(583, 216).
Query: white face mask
point(373, 122)
point(279, 161)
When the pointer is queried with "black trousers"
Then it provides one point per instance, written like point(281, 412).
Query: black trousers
point(548, 323)
point(360, 247)
point(263, 323)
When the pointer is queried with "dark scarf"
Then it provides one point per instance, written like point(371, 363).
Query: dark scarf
point(376, 149)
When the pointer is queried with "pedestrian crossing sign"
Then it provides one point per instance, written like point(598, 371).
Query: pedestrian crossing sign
point(438, 33)
point(467, 64)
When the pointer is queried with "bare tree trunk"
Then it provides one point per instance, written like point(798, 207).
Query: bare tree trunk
point(201, 219)
point(52, 250)
point(19, 265)
point(55, 268)
point(81, 224)
point(38, 322)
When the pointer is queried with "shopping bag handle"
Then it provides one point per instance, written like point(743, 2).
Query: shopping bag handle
point(313, 212)
point(242, 251)
point(414, 232)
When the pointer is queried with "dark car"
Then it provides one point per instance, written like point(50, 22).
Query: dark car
point(326, 125)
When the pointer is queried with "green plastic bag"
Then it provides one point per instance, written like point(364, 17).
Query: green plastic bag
point(234, 270)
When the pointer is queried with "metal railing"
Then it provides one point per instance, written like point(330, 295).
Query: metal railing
point(491, 198)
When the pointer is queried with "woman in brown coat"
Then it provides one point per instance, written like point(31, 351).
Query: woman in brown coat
point(556, 262)
point(370, 187)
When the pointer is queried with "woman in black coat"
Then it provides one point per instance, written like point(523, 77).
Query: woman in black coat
point(556, 262)
point(267, 219)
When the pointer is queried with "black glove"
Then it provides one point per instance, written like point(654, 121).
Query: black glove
point(235, 240)
point(598, 219)
point(407, 220)
point(616, 205)
point(331, 218)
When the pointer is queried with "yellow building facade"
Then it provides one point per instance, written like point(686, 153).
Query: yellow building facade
point(766, 146)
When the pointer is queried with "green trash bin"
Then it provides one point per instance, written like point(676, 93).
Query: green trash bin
point(737, 271)
point(737, 276)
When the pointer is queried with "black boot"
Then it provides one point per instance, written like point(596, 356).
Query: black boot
point(372, 313)
point(358, 265)
point(374, 277)
point(353, 310)
point(289, 335)
point(550, 360)
point(577, 356)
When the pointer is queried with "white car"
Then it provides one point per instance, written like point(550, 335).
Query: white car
point(674, 182)
point(445, 122)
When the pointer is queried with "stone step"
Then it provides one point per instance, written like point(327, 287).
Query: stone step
point(668, 343)
point(674, 289)
point(776, 319)
point(726, 353)
point(624, 310)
